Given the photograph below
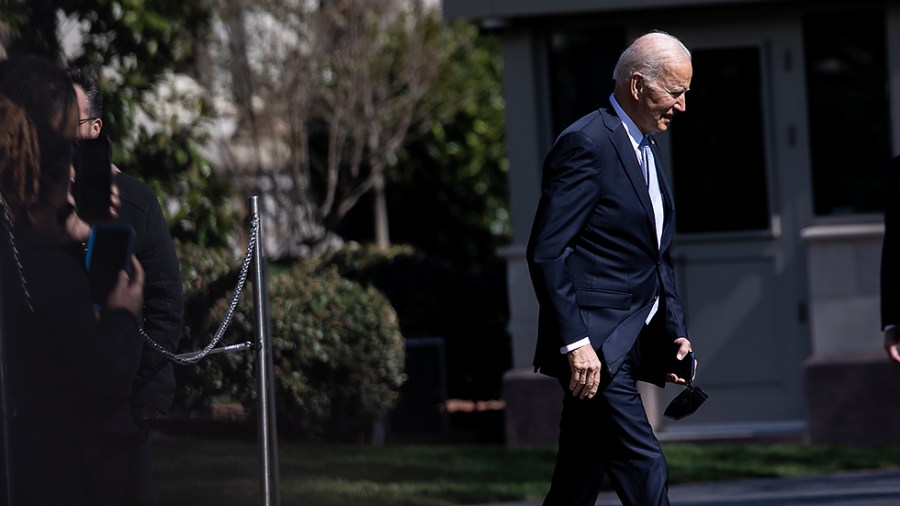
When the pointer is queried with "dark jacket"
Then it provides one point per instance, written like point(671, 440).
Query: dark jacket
point(154, 384)
point(66, 369)
point(890, 255)
point(593, 253)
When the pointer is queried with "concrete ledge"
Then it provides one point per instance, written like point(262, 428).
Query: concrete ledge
point(533, 405)
point(852, 399)
point(851, 231)
point(784, 431)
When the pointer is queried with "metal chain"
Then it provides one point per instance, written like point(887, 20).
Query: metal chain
point(183, 359)
point(196, 356)
point(8, 225)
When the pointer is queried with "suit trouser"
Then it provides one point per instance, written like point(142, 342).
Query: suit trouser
point(608, 435)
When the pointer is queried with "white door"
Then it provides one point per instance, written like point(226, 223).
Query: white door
point(738, 178)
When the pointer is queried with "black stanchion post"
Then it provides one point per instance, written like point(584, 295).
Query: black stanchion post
point(267, 431)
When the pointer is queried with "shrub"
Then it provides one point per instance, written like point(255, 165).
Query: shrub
point(337, 352)
point(207, 276)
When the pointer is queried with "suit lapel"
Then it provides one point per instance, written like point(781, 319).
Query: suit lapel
point(622, 144)
point(668, 202)
point(632, 168)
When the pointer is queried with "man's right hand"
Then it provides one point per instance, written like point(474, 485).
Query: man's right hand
point(585, 367)
point(892, 343)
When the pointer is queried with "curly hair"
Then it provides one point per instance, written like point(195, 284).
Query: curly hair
point(20, 167)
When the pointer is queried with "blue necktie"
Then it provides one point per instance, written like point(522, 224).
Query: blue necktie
point(648, 165)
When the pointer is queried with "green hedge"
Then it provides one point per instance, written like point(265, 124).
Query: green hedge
point(337, 350)
point(207, 275)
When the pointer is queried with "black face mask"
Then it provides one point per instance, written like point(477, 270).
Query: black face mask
point(685, 403)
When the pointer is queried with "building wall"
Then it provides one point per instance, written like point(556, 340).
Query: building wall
point(836, 300)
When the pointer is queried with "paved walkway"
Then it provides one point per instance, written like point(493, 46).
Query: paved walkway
point(870, 488)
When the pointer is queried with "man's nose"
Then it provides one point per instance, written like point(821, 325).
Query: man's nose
point(681, 103)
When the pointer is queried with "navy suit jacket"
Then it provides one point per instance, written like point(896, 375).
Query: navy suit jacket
point(593, 253)
point(890, 255)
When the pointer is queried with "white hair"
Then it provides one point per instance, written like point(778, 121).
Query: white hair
point(649, 54)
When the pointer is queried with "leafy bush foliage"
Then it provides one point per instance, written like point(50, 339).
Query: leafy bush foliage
point(207, 276)
point(200, 205)
point(466, 305)
point(337, 352)
point(154, 114)
point(448, 191)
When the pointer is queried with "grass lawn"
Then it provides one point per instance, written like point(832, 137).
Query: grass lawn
point(225, 471)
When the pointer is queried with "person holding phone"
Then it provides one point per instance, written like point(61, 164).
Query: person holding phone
point(123, 460)
point(57, 349)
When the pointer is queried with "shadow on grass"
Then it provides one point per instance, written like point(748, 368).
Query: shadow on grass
point(213, 466)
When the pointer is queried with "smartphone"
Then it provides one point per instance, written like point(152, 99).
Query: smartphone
point(109, 250)
point(93, 178)
point(683, 368)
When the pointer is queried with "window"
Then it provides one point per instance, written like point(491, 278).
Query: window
point(581, 63)
point(718, 153)
point(849, 122)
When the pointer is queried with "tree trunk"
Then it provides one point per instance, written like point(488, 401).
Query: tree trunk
point(382, 235)
point(239, 69)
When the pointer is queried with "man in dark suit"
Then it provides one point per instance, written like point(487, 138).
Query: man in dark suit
point(599, 261)
point(890, 264)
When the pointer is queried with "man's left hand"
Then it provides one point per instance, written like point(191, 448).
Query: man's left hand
point(684, 347)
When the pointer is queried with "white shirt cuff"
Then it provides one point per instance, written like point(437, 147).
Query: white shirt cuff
point(574, 346)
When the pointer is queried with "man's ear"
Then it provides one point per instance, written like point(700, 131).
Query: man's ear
point(637, 85)
point(96, 126)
